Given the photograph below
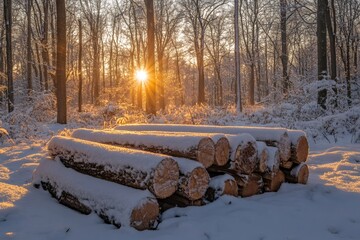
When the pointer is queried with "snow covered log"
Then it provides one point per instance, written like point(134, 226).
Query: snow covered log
point(199, 148)
point(133, 168)
point(116, 204)
point(299, 146)
point(221, 185)
point(298, 174)
point(273, 181)
point(193, 181)
point(277, 137)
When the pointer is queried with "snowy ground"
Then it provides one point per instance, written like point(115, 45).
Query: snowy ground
point(327, 208)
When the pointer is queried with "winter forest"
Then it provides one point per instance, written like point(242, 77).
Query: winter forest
point(174, 119)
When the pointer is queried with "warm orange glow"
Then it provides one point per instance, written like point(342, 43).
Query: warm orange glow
point(141, 76)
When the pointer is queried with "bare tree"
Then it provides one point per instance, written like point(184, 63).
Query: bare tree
point(321, 44)
point(61, 61)
point(29, 48)
point(199, 14)
point(80, 68)
point(237, 58)
point(9, 62)
point(150, 64)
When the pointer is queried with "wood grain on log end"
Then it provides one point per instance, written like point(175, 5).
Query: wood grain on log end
point(273, 181)
point(222, 151)
point(145, 216)
point(165, 179)
point(231, 188)
point(300, 150)
point(303, 174)
point(284, 146)
point(249, 185)
point(298, 174)
point(246, 158)
point(206, 152)
point(262, 160)
point(194, 185)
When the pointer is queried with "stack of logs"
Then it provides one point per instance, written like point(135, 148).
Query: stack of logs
point(148, 168)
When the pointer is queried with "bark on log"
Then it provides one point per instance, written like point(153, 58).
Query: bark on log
point(199, 148)
point(276, 137)
point(116, 204)
point(299, 146)
point(221, 185)
point(222, 145)
point(243, 153)
point(133, 168)
point(193, 181)
point(273, 181)
point(298, 174)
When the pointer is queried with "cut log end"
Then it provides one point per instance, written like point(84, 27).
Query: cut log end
point(206, 152)
point(246, 158)
point(222, 150)
point(230, 188)
point(262, 161)
point(301, 150)
point(273, 181)
point(145, 216)
point(195, 185)
point(285, 147)
point(165, 179)
point(249, 185)
point(302, 174)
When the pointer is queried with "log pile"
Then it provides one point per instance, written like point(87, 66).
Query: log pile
point(129, 175)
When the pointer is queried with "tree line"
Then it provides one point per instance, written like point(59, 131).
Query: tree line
point(190, 49)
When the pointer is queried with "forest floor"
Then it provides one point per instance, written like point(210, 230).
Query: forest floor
point(326, 208)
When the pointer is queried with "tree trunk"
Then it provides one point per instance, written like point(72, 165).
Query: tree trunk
point(331, 28)
point(2, 68)
point(194, 147)
point(124, 206)
point(284, 56)
point(29, 48)
point(133, 168)
point(44, 43)
point(9, 62)
point(151, 83)
point(237, 60)
point(80, 69)
point(321, 49)
point(161, 81)
point(61, 61)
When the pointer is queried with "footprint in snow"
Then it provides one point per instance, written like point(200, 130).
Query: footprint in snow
point(333, 230)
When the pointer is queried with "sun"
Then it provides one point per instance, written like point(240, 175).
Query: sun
point(141, 75)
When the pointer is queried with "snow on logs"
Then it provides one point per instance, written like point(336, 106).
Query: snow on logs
point(200, 148)
point(133, 168)
point(277, 137)
point(116, 204)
